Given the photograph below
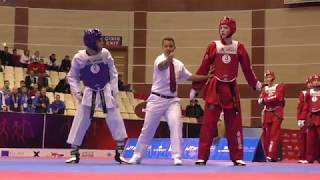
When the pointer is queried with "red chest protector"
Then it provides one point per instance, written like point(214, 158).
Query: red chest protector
point(314, 100)
point(226, 61)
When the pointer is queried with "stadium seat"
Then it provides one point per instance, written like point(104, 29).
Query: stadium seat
point(1, 79)
point(68, 100)
point(50, 95)
point(70, 112)
point(54, 78)
point(62, 75)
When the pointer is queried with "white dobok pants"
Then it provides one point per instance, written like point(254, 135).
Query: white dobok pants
point(81, 123)
point(156, 108)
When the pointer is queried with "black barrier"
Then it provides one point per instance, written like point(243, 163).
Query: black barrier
point(21, 130)
point(28, 130)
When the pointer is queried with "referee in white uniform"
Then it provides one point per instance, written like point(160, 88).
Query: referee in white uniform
point(163, 101)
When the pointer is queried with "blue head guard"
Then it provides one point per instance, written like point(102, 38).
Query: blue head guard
point(90, 38)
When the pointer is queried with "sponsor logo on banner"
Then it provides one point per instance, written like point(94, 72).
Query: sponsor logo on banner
point(4, 153)
point(17, 153)
point(56, 155)
point(87, 154)
point(160, 148)
point(36, 153)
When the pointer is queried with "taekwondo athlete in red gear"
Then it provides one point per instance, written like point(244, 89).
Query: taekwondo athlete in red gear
point(95, 67)
point(311, 117)
point(272, 98)
point(302, 125)
point(163, 101)
point(221, 93)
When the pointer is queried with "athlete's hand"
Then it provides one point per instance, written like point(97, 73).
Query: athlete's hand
point(300, 123)
point(78, 96)
point(193, 94)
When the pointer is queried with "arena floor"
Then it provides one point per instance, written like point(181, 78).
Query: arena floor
point(153, 169)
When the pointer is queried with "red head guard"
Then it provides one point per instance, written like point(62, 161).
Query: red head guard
point(308, 80)
point(315, 77)
point(271, 73)
point(229, 21)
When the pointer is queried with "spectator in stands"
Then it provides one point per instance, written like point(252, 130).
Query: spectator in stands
point(33, 66)
point(63, 86)
point(194, 109)
point(31, 79)
point(25, 58)
point(33, 89)
point(15, 58)
point(22, 84)
point(42, 102)
point(42, 67)
point(1, 66)
point(6, 88)
point(33, 101)
point(57, 106)
point(3, 106)
point(5, 56)
point(36, 56)
point(121, 85)
point(65, 64)
point(24, 100)
point(13, 100)
point(43, 81)
point(52, 65)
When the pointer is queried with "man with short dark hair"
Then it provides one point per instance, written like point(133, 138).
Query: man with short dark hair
point(57, 106)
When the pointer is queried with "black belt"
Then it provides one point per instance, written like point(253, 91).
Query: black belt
point(93, 102)
point(316, 113)
point(163, 96)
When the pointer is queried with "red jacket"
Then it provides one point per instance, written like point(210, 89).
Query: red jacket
point(311, 107)
point(302, 99)
point(273, 97)
point(224, 60)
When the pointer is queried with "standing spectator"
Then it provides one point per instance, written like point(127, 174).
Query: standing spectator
point(5, 56)
point(15, 58)
point(13, 100)
point(25, 58)
point(57, 106)
point(52, 65)
point(65, 64)
point(42, 102)
point(63, 86)
point(24, 100)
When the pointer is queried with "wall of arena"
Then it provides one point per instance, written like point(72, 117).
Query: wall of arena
point(278, 37)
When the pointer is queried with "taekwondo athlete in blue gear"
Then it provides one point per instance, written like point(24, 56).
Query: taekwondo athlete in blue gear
point(95, 67)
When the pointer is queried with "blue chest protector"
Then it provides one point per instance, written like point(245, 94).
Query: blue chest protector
point(95, 76)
